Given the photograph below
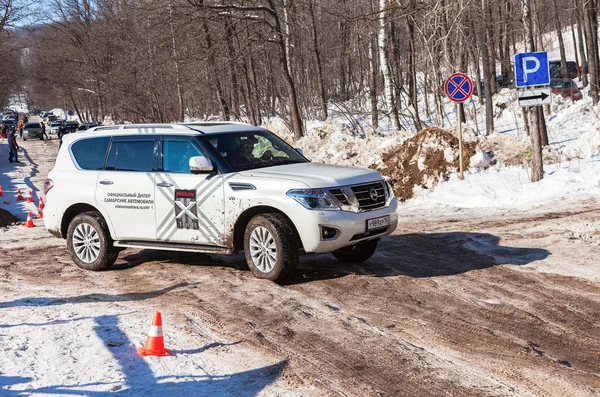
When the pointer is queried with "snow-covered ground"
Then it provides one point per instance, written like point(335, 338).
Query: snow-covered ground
point(53, 343)
point(57, 344)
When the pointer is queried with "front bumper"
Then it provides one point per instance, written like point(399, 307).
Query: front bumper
point(352, 227)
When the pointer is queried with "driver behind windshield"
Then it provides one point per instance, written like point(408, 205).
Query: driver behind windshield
point(243, 156)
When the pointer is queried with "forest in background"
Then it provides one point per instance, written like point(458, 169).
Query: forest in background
point(163, 61)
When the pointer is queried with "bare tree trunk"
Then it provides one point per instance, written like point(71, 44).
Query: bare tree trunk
point(373, 83)
point(580, 30)
point(317, 52)
point(537, 170)
point(287, 75)
point(412, 74)
point(489, 110)
point(490, 48)
point(229, 36)
point(225, 110)
point(590, 22)
point(574, 38)
point(561, 43)
point(177, 76)
point(383, 64)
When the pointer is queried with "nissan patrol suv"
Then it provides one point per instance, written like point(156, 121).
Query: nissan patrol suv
point(210, 188)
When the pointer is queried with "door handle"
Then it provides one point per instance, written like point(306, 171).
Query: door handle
point(164, 184)
point(106, 182)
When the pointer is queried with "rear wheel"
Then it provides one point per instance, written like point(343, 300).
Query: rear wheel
point(271, 247)
point(89, 242)
point(356, 253)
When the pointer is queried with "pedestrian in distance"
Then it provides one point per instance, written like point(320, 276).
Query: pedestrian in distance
point(12, 147)
point(62, 130)
point(43, 125)
point(4, 131)
point(20, 128)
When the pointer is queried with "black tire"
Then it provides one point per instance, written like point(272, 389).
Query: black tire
point(107, 254)
point(280, 264)
point(24, 139)
point(356, 253)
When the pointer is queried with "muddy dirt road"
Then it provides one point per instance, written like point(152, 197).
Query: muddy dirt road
point(462, 304)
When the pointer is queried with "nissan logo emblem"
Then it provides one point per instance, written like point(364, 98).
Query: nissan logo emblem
point(373, 194)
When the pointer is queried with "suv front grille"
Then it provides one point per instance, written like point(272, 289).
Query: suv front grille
point(339, 195)
point(370, 196)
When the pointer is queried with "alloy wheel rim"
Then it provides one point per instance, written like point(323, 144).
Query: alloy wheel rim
point(263, 249)
point(86, 243)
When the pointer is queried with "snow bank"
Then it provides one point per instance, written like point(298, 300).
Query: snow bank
point(510, 187)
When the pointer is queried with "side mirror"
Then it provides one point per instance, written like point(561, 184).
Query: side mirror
point(200, 165)
point(299, 150)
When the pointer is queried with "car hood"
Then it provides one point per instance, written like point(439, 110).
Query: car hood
point(316, 175)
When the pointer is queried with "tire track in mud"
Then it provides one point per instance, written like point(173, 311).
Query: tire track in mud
point(428, 315)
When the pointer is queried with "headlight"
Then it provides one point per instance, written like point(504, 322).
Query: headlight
point(388, 187)
point(313, 199)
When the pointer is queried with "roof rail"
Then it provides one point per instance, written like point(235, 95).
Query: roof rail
point(194, 125)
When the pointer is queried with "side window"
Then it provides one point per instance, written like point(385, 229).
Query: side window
point(90, 153)
point(176, 155)
point(131, 155)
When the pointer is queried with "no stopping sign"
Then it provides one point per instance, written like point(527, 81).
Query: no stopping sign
point(458, 87)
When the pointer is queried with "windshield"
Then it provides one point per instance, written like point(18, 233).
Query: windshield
point(253, 149)
point(557, 84)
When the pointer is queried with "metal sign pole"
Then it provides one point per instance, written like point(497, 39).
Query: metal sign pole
point(459, 87)
point(460, 140)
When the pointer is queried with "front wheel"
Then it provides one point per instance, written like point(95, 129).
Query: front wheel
point(356, 253)
point(89, 242)
point(271, 246)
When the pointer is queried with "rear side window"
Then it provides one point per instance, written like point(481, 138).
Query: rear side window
point(90, 153)
point(132, 155)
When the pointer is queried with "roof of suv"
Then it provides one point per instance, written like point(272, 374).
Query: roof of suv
point(183, 128)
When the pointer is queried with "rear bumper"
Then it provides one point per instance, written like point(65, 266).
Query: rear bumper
point(32, 134)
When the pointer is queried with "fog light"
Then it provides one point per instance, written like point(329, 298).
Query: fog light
point(329, 233)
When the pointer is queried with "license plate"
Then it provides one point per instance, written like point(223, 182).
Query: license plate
point(377, 223)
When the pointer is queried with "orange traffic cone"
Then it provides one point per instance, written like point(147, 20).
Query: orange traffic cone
point(155, 345)
point(30, 198)
point(19, 195)
point(42, 205)
point(29, 222)
point(40, 214)
point(1, 194)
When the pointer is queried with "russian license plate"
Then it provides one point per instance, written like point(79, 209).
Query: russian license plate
point(377, 223)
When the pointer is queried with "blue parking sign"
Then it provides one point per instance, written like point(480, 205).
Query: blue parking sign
point(531, 69)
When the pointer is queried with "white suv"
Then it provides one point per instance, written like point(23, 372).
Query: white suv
point(212, 188)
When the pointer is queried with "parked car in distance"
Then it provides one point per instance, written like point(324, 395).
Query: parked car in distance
point(72, 126)
point(10, 124)
point(87, 126)
point(54, 126)
point(504, 81)
point(566, 88)
point(556, 69)
point(33, 130)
